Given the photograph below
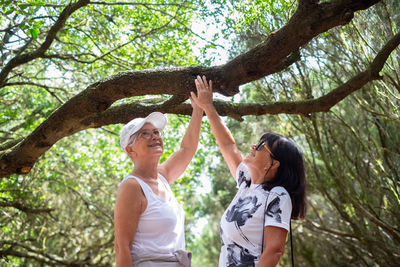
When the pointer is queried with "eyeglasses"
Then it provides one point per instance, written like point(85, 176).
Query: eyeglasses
point(262, 144)
point(145, 134)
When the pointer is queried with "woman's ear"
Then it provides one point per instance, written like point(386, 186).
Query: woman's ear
point(275, 164)
point(129, 150)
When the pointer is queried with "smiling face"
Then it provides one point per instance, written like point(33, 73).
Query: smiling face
point(147, 143)
point(259, 158)
point(262, 166)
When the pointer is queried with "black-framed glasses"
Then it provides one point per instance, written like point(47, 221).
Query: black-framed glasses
point(260, 145)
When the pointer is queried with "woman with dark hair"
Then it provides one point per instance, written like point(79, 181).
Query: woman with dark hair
point(271, 190)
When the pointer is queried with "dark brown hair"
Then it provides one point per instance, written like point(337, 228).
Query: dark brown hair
point(291, 172)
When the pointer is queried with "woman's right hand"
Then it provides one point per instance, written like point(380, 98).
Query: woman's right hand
point(222, 134)
point(204, 93)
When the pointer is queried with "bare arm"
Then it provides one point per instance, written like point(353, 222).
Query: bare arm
point(222, 134)
point(275, 238)
point(177, 163)
point(127, 211)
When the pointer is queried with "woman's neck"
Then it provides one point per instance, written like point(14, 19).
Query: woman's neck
point(146, 169)
point(259, 176)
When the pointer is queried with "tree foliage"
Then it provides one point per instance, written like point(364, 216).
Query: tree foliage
point(71, 71)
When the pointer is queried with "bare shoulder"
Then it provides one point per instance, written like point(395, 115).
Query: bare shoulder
point(130, 193)
point(129, 186)
point(130, 183)
point(129, 206)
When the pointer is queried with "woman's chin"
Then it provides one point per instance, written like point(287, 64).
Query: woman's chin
point(248, 159)
point(158, 150)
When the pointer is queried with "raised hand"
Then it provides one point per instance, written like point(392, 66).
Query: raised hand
point(204, 93)
point(195, 107)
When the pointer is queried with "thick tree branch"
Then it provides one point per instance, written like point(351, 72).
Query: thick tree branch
point(277, 52)
point(127, 112)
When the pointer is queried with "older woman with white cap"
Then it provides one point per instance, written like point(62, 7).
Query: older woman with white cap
point(148, 220)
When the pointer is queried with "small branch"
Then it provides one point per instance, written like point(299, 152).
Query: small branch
point(45, 87)
point(393, 82)
point(134, 4)
point(23, 208)
point(389, 229)
point(331, 231)
point(9, 144)
point(24, 58)
point(39, 255)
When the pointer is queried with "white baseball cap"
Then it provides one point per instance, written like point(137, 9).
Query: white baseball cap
point(156, 118)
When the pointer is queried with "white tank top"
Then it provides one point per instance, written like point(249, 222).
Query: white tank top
point(161, 225)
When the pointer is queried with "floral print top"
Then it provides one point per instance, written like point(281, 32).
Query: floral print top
point(242, 223)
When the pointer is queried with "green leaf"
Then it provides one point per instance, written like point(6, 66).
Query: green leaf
point(23, 6)
point(35, 32)
point(9, 11)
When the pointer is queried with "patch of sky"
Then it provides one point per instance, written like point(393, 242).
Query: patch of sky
point(207, 30)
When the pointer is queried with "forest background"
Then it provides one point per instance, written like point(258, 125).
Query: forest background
point(325, 74)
